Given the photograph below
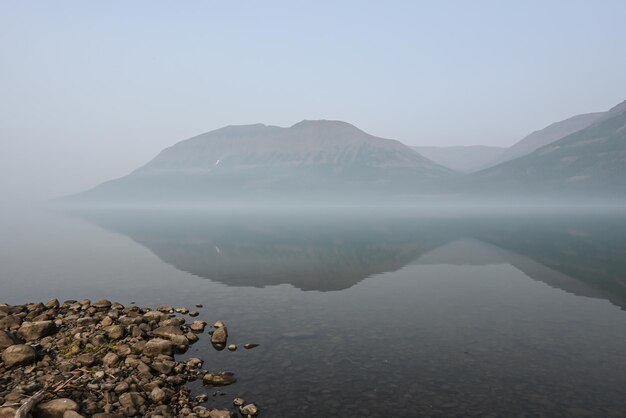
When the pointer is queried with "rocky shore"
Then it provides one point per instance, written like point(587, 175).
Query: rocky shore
point(102, 359)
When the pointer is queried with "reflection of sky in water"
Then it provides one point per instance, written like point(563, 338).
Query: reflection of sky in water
point(437, 317)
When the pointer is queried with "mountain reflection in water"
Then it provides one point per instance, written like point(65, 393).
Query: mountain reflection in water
point(333, 250)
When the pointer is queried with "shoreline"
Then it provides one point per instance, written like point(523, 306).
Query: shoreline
point(103, 359)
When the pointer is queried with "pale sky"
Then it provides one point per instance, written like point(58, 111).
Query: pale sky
point(91, 90)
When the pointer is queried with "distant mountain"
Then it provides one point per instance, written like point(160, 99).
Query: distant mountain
point(546, 136)
point(462, 158)
point(258, 161)
point(590, 161)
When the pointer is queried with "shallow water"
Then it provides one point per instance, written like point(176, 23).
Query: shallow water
point(362, 312)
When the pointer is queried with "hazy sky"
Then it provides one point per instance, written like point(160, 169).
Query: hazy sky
point(91, 90)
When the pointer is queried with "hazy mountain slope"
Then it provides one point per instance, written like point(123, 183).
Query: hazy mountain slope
point(547, 135)
point(311, 157)
point(590, 161)
point(462, 158)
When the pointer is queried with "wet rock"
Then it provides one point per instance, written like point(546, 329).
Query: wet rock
point(193, 314)
point(238, 401)
point(232, 347)
point(181, 310)
point(17, 355)
point(220, 413)
point(31, 331)
point(197, 326)
point(249, 410)
point(55, 408)
point(7, 339)
point(219, 336)
point(249, 346)
point(219, 379)
point(158, 346)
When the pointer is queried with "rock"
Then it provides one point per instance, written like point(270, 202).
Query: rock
point(154, 316)
point(7, 339)
point(55, 408)
point(199, 305)
point(158, 346)
point(110, 359)
point(31, 331)
point(219, 379)
point(197, 326)
point(232, 347)
point(115, 332)
point(238, 402)
point(102, 304)
point(10, 322)
point(158, 395)
point(193, 314)
point(220, 413)
point(131, 399)
point(72, 414)
point(167, 331)
point(86, 321)
point(194, 363)
point(163, 366)
point(181, 342)
point(220, 336)
point(219, 324)
point(52, 303)
point(86, 359)
point(248, 346)
point(7, 412)
point(107, 321)
point(105, 415)
point(249, 410)
point(181, 310)
point(18, 355)
point(121, 388)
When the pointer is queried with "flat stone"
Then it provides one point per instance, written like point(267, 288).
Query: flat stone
point(220, 413)
point(219, 379)
point(31, 331)
point(158, 395)
point(55, 408)
point(18, 355)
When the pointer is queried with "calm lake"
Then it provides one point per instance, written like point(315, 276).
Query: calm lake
point(362, 312)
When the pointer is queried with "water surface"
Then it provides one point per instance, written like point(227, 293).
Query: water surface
point(362, 312)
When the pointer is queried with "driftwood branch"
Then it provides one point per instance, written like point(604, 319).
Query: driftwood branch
point(23, 410)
